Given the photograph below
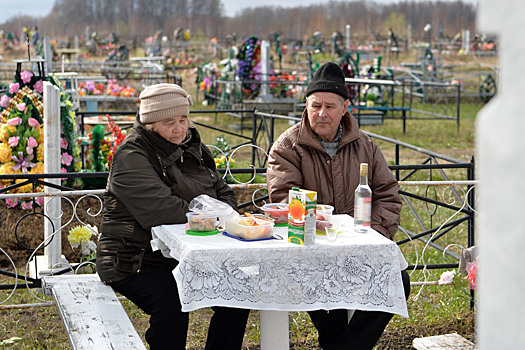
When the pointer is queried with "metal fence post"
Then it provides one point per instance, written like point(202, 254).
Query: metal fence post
point(254, 134)
point(397, 161)
point(458, 103)
point(471, 202)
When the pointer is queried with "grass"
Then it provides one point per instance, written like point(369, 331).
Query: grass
point(437, 310)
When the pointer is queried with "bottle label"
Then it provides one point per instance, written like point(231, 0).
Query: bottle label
point(364, 211)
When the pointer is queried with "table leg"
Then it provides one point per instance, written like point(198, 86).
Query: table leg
point(274, 330)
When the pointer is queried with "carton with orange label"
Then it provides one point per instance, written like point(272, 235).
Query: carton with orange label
point(301, 216)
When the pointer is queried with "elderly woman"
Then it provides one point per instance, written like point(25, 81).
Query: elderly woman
point(158, 169)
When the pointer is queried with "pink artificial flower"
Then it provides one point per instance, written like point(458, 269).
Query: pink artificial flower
point(21, 106)
point(446, 277)
point(27, 205)
point(63, 143)
point(39, 87)
point(13, 88)
point(13, 141)
point(66, 159)
point(31, 142)
point(14, 121)
point(4, 101)
point(33, 123)
point(472, 271)
point(26, 76)
point(39, 201)
point(11, 202)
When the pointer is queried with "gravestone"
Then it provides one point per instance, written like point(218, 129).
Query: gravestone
point(501, 165)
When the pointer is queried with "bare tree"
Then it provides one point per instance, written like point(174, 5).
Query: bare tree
point(141, 18)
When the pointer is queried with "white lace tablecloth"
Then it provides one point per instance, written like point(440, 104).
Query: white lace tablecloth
point(357, 271)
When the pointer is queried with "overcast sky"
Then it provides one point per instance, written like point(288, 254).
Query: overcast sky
point(10, 8)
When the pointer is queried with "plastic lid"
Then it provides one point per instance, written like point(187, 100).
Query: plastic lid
point(202, 233)
point(280, 206)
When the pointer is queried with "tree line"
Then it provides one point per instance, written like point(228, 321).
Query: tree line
point(138, 19)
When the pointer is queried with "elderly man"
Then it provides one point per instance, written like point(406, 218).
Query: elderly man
point(323, 153)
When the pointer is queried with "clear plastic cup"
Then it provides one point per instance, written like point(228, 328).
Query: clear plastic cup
point(323, 214)
point(331, 233)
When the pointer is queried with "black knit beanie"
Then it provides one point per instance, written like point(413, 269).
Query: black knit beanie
point(329, 78)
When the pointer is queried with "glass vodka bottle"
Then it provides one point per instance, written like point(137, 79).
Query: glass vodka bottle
point(362, 201)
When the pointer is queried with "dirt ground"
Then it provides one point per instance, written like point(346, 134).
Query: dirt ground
point(401, 338)
point(26, 228)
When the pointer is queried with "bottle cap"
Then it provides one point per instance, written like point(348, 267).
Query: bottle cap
point(363, 169)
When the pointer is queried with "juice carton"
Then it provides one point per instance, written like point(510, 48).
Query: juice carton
point(301, 216)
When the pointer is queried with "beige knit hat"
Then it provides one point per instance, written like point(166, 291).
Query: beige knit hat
point(163, 101)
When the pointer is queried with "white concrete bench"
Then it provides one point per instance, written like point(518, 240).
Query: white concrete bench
point(451, 341)
point(91, 312)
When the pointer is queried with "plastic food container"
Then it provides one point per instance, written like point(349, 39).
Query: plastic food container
point(278, 212)
point(250, 228)
point(201, 222)
point(322, 211)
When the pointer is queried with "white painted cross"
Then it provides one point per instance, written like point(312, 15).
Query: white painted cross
point(48, 56)
point(466, 41)
point(500, 144)
point(347, 36)
point(265, 70)
point(52, 206)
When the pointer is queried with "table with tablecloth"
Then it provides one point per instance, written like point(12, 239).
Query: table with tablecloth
point(357, 271)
